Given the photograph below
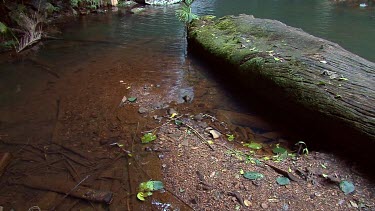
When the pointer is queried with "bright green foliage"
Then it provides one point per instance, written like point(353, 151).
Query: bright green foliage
point(146, 188)
point(184, 14)
point(253, 145)
point(148, 137)
point(230, 137)
point(279, 150)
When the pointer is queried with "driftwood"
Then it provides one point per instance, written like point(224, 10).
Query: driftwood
point(290, 67)
point(56, 185)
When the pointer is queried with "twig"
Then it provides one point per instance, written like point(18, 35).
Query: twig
point(28, 141)
point(67, 194)
point(238, 197)
point(199, 136)
point(44, 67)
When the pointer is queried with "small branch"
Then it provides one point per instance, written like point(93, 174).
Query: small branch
point(199, 136)
point(67, 194)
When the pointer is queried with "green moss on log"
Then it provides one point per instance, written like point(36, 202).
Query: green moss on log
point(295, 62)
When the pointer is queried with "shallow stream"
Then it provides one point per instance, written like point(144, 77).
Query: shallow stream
point(102, 57)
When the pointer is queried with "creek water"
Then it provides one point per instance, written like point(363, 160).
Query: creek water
point(104, 56)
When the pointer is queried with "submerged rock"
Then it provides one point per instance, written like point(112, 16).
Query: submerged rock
point(137, 10)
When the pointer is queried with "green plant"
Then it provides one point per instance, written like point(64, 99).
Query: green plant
point(74, 3)
point(5, 32)
point(184, 14)
point(302, 148)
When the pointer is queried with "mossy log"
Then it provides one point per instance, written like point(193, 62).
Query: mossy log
point(285, 63)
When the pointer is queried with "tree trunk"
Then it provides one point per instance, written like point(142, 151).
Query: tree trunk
point(285, 63)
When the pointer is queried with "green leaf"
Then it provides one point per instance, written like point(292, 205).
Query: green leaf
point(3, 28)
point(178, 122)
point(279, 150)
point(150, 186)
point(147, 138)
point(132, 99)
point(347, 187)
point(146, 186)
point(283, 181)
point(230, 137)
point(251, 175)
point(141, 196)
point(343, 79)
point(157, 185)
point(253, 145)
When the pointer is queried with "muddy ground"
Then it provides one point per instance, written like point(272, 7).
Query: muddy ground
point(60, 123)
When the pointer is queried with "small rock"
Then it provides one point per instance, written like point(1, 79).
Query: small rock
point(142, 110)
point(123, 100)
point(215, 134)
point(264, 205)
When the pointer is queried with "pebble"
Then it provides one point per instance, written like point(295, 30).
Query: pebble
point(215, 134)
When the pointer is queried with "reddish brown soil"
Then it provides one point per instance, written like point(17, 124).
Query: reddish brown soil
point(59, 129)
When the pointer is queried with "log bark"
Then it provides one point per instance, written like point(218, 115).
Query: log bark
point(285, 63)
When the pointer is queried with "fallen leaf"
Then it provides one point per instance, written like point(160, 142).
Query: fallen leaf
point(283, 181)
point(251, 175)
point(279, 150)
point(253, 145)
point(132, 99)
point(346, 187)
point(247, 203)
point(148, 137)
point(140, 196)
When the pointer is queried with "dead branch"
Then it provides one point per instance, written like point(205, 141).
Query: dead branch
point(199, 136)
point(68, 188)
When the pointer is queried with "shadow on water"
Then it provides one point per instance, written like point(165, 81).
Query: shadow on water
point(298, 124)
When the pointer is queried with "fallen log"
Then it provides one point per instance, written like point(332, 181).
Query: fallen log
point(287, 66)
point(56, 185)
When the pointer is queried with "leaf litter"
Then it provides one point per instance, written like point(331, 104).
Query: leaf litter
point(208, 178)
